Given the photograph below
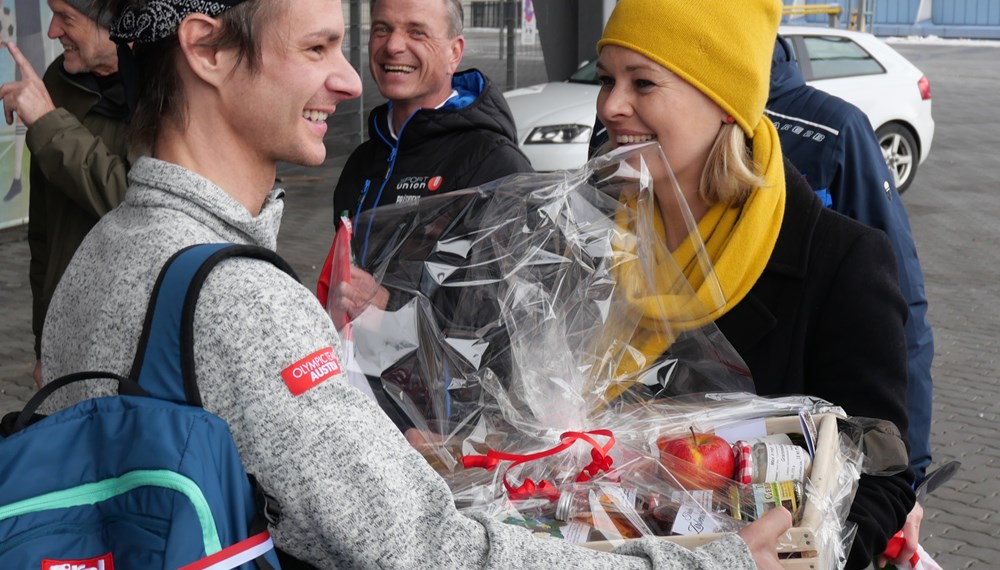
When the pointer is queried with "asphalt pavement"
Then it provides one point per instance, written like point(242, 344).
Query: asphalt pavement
point(954, 205)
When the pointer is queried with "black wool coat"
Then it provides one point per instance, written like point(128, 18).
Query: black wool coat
point(826, 319)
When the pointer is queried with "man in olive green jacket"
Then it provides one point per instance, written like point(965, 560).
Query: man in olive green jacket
point(77, 129)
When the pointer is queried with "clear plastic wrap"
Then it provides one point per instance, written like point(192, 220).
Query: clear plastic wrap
point(544, 334)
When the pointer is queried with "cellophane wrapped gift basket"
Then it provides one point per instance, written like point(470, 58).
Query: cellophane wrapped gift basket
point(557, 362)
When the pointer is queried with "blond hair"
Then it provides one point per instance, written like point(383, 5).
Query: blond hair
point(730, 172)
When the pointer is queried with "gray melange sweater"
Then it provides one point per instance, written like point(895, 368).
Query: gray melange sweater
point(354, 494)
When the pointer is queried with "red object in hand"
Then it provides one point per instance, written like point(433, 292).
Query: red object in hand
point(896, 544)
point(706, 451)
point(336, 270)
point(323, 283)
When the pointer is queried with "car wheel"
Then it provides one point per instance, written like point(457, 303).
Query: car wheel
point(899, 149)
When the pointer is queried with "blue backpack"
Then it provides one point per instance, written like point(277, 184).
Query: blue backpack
point(146, 479)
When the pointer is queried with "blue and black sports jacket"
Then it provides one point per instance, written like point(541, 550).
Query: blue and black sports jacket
point(832, 143)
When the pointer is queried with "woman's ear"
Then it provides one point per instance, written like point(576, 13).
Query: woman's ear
point(210, 63)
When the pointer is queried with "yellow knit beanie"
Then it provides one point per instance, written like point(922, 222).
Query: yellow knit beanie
point(722, 47)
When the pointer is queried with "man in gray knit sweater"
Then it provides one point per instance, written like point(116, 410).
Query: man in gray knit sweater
point(246, 84)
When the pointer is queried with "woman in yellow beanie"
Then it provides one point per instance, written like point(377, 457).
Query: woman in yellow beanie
point(811, 300)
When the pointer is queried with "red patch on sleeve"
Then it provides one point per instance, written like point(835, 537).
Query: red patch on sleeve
point(105, 562)
point(311, 371)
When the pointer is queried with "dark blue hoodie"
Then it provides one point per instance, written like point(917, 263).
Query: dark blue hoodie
point(832, 143)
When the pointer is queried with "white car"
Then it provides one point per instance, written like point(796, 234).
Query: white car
point(554, 120)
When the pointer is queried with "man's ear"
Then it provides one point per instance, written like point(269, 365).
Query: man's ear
point(206, 61)
point(457, 50)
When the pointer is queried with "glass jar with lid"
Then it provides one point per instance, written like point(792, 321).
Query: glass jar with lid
point(771, 459)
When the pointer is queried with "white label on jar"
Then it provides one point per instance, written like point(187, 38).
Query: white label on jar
point(785, 463)
point(767, 496)
point(694, 520)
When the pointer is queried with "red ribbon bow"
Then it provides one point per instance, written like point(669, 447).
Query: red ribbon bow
point(527, 489)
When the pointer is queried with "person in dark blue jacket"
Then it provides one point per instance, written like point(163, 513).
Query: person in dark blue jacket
point(833, 145)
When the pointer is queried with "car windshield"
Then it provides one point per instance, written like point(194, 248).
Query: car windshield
point(586, 74)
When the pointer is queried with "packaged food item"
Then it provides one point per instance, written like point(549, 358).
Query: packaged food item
point(750, 502)
point(610, 510)
point(690, 513)
point(769, 460)
point(612, 513)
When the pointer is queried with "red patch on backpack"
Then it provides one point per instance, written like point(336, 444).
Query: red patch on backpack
point(105, 562)
point(311, 371)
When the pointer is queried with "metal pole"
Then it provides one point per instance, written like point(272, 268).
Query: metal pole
point(511, 6)
point(355, 58)
point(500, 28)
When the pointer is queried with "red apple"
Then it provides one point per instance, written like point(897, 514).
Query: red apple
point(709, 453)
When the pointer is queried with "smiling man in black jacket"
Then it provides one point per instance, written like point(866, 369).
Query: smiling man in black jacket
point(440, 130)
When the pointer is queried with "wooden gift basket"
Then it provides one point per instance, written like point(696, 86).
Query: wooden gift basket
point(798, 548)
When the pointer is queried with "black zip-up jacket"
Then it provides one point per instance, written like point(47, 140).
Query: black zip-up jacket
point(467, 142)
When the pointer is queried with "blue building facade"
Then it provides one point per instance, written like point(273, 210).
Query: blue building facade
point(977, 19)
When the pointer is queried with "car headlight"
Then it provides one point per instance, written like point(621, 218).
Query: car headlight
point(557, 134)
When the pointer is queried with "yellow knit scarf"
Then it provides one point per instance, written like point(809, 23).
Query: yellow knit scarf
point(702, 279)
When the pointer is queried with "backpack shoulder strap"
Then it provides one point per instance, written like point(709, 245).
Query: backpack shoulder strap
point(166, 346)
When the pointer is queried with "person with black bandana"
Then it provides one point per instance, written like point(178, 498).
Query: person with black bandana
point(77, 121)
